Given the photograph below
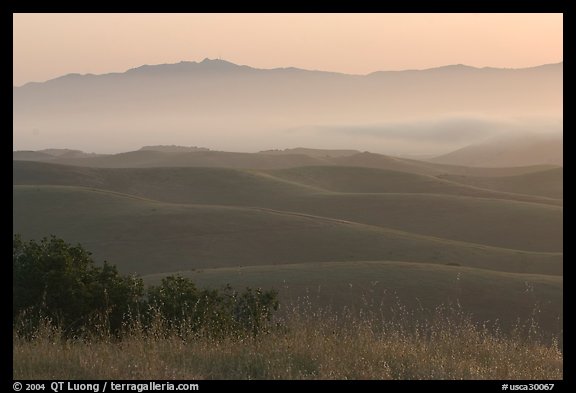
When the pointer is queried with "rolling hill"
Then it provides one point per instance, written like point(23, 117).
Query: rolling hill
point(500, 223)
point(409, 234)
point(510, 151)
point(217, 159)
point(374, 197)
point(218, 186)
point(546, 183)
point(479, 226)
point(371, 180)
point(317, 153)
point(195, 184)
point(381, 287)
point(146, 236)
point(50, 154)
point(151, 157)
point(28, 155)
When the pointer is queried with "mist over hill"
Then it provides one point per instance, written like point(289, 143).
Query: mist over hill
point(510, 150)
point(50, 154)
point(224, 106)
point(299, 180)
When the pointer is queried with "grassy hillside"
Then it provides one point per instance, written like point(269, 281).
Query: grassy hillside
point(372, 180)
point(291, 158)
point(500, 223)
point(546, 183)
point(368, 180)
point(24, 155)
point(509, 151)
point(180, 185)
point(495, 222)
point(311, 346)
point(380, 161)
point(145, 236)
point(381, 286)
point(244, 187)
point(481, 171)
point(147, 158)
point(318, 153)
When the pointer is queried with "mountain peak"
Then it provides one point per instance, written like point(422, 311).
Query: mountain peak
point(188, 66)
point(213, 63)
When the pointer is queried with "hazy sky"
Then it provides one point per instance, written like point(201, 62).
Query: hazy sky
point(50, 45)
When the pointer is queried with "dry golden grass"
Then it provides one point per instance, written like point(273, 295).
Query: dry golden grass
point(307, 346)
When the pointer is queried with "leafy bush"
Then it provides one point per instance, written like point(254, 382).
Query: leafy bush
point(60, 282)
point(215, 312)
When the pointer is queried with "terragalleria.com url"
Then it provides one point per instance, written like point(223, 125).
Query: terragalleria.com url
point(124, 386)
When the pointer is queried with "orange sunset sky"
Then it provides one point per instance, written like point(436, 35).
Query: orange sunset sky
point(50, 45)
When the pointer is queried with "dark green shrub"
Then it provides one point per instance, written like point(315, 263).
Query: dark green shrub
point(222, 312)
point(55, 281)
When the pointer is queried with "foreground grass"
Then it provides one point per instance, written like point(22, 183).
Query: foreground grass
point(310, 347)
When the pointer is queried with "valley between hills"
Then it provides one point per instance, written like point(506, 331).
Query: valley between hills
point(346, 229)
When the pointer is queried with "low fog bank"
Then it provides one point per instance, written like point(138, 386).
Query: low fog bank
point(223, 106)
point(424, 138)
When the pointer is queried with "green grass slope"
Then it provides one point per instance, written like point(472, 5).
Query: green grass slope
point(380, 161)
point(372, 180)
point(24, 155)
point(264, 161)
point(179, 185)
point(147, 158)
point(145, 236)
point(380, 286)
point(547, 183)
point(244, 187)
point(508, 151)
point(496, 222)
point(499, 223)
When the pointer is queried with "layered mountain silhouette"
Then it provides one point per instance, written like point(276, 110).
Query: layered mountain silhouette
point(226, 106)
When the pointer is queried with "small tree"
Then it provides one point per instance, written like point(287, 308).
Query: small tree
point(253, 309)
point(58, 281)
point(215, 312)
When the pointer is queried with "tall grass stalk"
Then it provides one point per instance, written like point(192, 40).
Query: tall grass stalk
point(304, 344)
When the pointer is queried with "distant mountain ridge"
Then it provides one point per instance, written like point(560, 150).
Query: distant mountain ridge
point(173, 148)
point(218, 103)
point(220, 65)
